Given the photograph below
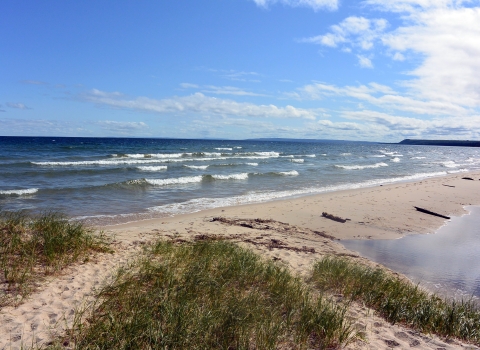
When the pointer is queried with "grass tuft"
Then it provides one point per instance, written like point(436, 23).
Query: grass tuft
point(34, 246)
point(399, 301)
point(210, 295)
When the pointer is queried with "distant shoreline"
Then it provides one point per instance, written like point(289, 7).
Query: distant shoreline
point(459, 143)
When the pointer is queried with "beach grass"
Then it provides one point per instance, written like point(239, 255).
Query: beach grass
point(398, 300)
point(33, 246)
point(209, 295)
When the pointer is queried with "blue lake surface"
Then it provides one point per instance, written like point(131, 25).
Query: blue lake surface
point(447, 262)
point(114, 180)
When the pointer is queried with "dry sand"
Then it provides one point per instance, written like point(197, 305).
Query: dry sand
point(292, 232)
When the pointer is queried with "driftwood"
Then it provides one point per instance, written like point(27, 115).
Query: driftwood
point(431, 213)
point(334, 218)
point(448, 185)
point(467, 178)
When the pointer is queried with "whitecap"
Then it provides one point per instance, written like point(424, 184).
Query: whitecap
point(267, 154)
point(19, 192)
point(242, 176)
point(449, 164)
point(174, 181)
point(360, 167)
point(289, 173)
point(152, 168)
point(297, 160)
point(197, 167)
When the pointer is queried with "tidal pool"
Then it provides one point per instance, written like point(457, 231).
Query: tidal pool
point(446, 262)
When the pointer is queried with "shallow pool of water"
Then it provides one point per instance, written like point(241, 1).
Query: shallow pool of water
point(446, 262)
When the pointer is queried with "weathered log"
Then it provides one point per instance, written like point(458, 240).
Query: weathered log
point(467, 178)
point(431, 213)
point(448, 185)
point(333, 217)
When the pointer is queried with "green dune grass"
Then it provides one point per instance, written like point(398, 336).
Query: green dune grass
point(398, 300)
point(209, 295)
point(32, 247)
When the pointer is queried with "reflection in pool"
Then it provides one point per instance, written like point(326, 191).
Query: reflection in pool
point(447, 262)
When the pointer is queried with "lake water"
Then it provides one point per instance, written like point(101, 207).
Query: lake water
point(446, 262)
point(114, 180)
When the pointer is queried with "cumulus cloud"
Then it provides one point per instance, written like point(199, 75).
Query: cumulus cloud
point(314, 4)
point(439, 37)
point(197, 103)
point(17, 105)
point(447, 39)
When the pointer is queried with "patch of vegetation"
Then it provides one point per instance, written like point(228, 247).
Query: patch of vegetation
point(32, 247)
point(209, 295)
point(399, 301)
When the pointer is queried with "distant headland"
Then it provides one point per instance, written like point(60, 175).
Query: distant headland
point(463, 143)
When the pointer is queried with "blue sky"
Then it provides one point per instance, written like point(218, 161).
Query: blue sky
point(375, 70)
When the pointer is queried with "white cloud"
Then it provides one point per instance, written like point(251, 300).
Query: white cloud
point(241, 76)
point(339, 125)
point(440, 37)
point(384, 97)
point(123, 127)
point(398, 57)
point(314, 4)
point(448, 41)
point(359, 32)
point(198, 103)
point(37, 127)
point(228, 90)
point(220, 90)
point(17, 105)
point(188, 86)
point(467, 126)
point(412, 6)
point(364, 62)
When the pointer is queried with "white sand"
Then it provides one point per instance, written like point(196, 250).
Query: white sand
point(295, 236)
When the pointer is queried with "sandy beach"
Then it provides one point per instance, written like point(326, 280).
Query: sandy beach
point(292, 232)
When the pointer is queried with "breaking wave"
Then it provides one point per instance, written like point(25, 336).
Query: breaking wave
point(152, 168)
point(197, 167)
point(242, 176)
point(23, 192)
point(360, 167)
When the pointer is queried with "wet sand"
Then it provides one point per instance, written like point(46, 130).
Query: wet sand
point(292, 232)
